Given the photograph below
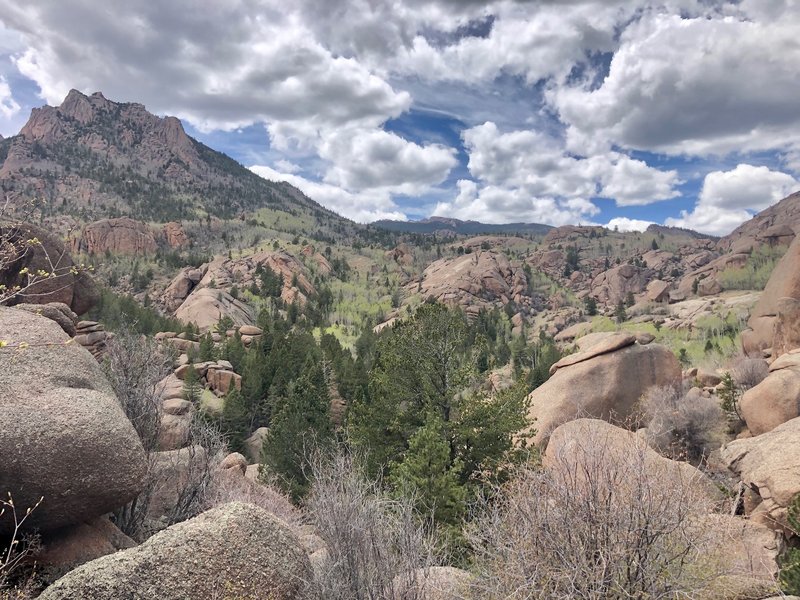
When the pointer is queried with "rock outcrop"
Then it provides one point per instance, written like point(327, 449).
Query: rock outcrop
point(614, 285)
point(482, 279)
point(75, 288)
point(174, 235)
point(202, 295)
point(65, 438)
point(605, 382)
point(118, 236)
point(583, 442)
point(236, 549)
point(776, 399)
point(783, 283)
point(206, 306)
point(769, 465)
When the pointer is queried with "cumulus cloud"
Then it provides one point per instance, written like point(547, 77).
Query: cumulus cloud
point(370, 159)
point(362, 207)
point(528, 175)
point(227, 65)
point(493, 204)
point(626, 224)
point(576, 85)
point(8, 106)
point(692, 86)
point(729, 198)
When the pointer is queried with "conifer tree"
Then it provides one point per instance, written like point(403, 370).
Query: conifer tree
point(427, 471)
point(235, 421)
point(301, 424)
point(192, 389)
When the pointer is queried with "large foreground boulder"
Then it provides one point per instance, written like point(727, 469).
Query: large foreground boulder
point(604, 385)
point(769, 465)
point(64, 435)
point(233, 551)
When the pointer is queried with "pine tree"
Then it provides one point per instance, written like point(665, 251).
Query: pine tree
point(235, 421)
point(590, 305)
point(207, 351)
point(619, 313)
point(301, 424)
point(192, 389)
point(428, 472)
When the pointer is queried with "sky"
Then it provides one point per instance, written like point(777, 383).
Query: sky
point(616, 112)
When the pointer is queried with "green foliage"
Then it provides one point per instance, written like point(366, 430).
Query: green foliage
point(207, 349)
point(192, 389)
point(423, 377)
point(756, 272)
point(590, 306)
point(235, 420)
point(302, 424)
point(543, 356)
point(114, 311)
point(620, 314)
point(429, 474)
point(789, 575)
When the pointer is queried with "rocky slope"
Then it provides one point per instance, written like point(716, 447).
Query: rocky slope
point(95, 157)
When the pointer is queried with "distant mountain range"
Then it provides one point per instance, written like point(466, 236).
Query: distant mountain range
point(450, 226)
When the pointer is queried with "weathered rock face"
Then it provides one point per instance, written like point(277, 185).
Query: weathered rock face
point(79, 292)
point(202, 295)
point(769, 465)
point(774, 401)
point(578, 443)
point(473, 281)
point(606, 386)
point(119, 236)
point(238, 549)
point(174, 235)
point(69, 548)
point(783, 283)
point(206, 306)
point(612, 286)
point(65, 437)
point(772, 225)
point(55, 311)
point(787, 326)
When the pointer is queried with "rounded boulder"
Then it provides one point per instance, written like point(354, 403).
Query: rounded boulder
point(235, 550)
point(65, 437)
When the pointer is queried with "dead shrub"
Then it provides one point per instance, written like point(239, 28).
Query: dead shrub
point(596, 524)
point(682, 424)
point(376, 544)
point(229, 487)
point(749, 372)
point(16, 577)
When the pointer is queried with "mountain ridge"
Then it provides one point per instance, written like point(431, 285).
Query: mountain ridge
point(98, 158)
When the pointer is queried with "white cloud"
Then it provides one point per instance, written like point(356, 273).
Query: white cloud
point(8, 106)
point(493, 204)
point(540, 179)
point(626, 224)
point(229, 64)
point(362, 207)
point(693, 86)
point(729, 198)
point(370, 159)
